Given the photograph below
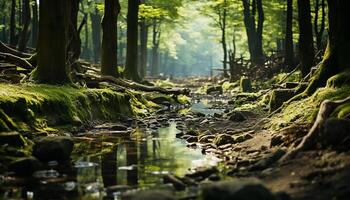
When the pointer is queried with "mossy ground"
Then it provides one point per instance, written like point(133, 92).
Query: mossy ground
point(304, 111)
point(30, 106)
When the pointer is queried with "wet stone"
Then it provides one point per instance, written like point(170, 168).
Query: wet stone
point(237, 116)
point(223, 139)
point(25, 166)
point(53, 148)
point(206, 138)
point(191, 139)
point(12, 139)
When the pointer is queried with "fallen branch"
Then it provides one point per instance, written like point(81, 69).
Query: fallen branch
point(6, 49)
point(10, 58)
point(133, 85)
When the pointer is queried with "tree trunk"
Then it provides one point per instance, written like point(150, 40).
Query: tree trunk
point(143, 41)
point(223, 38)
point(74, 47)
point(289, 47)
point(13, 23)
point(131, 71)
point(306, 47)
point(109, 60)
point(155, 54)
point(121, 46)
point(23, 39)
point(319, 31)
point(3, 21)
point(51, 53)
point(254, 34)
point(96, 34)
point(35, 24)
point(336, 57)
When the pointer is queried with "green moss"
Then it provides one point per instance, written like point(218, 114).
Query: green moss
point(305, 110)
point(36, 106)
point(227, 86)
point(339, 80)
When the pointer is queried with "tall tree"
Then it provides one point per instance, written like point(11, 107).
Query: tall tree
point(254, 32)
point(35, 24)
point(319, 30)
point(96, 33)
point(51, 53)
point(155, 47)
point(336, 57)
point(13, 23)
point(289, 47)
point(109, 57)
point(306, 43)
point(144, 27)
point(131, 71)
point(74, 45)
point(26, 18)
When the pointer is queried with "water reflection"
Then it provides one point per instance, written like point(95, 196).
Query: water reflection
point(127, 163)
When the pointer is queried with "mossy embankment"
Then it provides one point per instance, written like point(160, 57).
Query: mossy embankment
point(33, 107)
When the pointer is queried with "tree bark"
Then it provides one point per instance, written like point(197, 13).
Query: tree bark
point(155, 47)
point(289, 47)
point(319, 30)
point(336, 57)
point(131, 71)
point(24, 36)
point(143, 41)
point(223, 23)
point(3, 21)
point(96, 34)
point(74, 47)
point(306, 47)
point(254, 33)
point(51, 53)
point(13, 23)
point(35, 24)
point(109, 59)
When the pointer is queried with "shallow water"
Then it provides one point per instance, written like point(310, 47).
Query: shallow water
point(140, 162)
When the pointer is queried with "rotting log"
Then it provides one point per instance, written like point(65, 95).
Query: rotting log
point(134, 85)
point(13, 59)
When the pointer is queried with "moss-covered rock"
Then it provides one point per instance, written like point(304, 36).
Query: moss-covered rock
point(279, 96)
point(245, 84)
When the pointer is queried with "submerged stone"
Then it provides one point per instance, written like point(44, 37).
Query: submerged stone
point(151, 195)
point(53, 148)
point(25, 166)
point(239, 189)
point(12, 139)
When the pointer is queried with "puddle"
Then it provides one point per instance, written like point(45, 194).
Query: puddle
point(124, 163)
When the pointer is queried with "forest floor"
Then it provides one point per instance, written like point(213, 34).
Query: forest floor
point(221, 122)
point(249, 147)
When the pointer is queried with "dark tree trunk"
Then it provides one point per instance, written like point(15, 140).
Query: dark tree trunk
point(254, 33)
point(3, 21)
point(35, 24)
point(289, 47)
point(319, 30)
point(155, 47)
point(131, 71)
point(74, 47)
point(336, 57)
point(143, 41)
point(306, 46)
point(13, 23)
point(232, 56)
point(109, 168)
point(109, 59)
point(223, 22)
point(96, 34)
point(51, 53)
point(24, 35)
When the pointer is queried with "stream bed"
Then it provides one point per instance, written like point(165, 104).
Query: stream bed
point(106, 164)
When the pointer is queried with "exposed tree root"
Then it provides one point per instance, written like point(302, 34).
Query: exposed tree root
point(134, 85)
point(309, 141)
